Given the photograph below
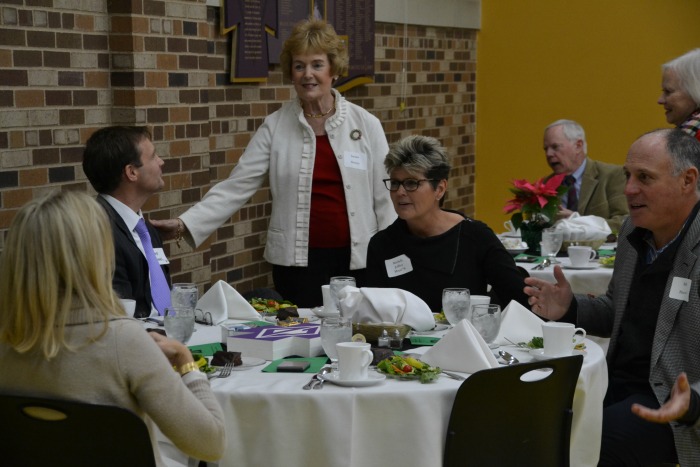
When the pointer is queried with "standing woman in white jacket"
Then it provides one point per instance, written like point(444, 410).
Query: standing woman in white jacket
point(324, 158)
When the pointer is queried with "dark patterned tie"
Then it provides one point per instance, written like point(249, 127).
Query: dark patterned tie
point(571, 195)
point(160, 291)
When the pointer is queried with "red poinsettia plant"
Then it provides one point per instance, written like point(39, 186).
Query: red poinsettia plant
point(536, 202)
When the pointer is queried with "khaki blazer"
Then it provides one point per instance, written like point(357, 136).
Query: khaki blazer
point(602, 193)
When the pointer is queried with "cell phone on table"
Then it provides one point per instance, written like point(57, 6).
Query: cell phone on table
point(293, 366)
point(527, 259)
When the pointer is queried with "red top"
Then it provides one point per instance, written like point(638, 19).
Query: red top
point(329, 227)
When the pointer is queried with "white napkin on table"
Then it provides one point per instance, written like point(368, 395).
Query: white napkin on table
point(578, 228)
point(518, 324)
point(382, 305)
point(461, 349)
point(223, 302)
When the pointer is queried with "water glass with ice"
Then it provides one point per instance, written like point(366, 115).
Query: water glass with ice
point(184, 295)
point(179, 323)
point(487, 320)
point(456, 304)
point(337, 284)
point(333, 331)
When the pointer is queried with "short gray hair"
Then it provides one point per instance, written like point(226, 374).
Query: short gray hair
point(687, 67)
point(684, 151)
point(418, 154)
point(572, 130)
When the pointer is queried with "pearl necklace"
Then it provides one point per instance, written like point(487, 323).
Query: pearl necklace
point(321, 115)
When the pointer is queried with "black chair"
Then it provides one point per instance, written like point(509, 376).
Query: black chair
point(500, 420)
point(50, 432)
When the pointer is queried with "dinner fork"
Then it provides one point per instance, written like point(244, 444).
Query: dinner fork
point(225, 372)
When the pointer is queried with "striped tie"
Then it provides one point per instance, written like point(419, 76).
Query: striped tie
point(160, 291)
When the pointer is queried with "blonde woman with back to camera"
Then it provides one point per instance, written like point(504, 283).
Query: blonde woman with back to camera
point(61, 319)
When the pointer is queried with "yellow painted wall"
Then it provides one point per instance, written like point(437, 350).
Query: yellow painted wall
point(594, 61)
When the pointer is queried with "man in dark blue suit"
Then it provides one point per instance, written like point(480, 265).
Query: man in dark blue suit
point(123, 167)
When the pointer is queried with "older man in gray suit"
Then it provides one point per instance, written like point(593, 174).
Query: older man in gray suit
point(651, 311)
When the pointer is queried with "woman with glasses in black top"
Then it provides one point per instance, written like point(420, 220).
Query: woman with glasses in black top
point(429, 248)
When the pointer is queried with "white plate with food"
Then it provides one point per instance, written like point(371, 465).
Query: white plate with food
point(437, 328)
point(516, 251)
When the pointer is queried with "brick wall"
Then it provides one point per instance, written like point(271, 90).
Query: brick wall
point(65, 72)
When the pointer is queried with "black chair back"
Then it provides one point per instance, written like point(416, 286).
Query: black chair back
point(499, 419)
point(50, 432)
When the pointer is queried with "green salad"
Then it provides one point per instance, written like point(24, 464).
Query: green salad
point(408, 368)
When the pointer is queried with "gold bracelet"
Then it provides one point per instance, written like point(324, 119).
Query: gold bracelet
point(179, 231)
point(187, 367)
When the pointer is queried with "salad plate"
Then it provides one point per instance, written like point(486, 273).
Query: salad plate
point(516, 251)
point(438, 327)
point(371, 380)
point(587, 266)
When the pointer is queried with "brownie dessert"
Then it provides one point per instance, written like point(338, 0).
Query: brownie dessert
point(221, 358)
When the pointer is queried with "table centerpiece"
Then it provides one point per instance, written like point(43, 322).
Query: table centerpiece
point(535, 207)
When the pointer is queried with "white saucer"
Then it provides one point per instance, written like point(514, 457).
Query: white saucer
point(318, 311)
point(588, 266)
point(372, 379)
point(538, 354)
point(248, 362)
point(516, 251)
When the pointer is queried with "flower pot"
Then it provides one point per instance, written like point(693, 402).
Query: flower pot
point(531, 234)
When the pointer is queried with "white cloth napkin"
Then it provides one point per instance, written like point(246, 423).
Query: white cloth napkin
point(223, 302)
point(578, 228)
point(382, 305)
point(461, 349)
point(518, 324)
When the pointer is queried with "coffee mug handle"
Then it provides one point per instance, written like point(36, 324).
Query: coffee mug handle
point(509, 226)
point(579, 336)
point(367, 357)
point(592, 254)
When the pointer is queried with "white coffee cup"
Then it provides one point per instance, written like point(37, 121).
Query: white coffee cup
point(328, 302)
point(129, 306)
point(561, 338)
point(580, 255)
point(353, 360)
point(477, 300)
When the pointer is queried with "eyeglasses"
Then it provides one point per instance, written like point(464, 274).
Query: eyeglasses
point(410, 184)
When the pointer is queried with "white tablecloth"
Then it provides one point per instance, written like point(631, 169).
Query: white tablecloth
point(583, 281)
point(271, 421)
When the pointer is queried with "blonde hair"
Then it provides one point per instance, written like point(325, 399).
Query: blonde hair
point(314, 36)
point(58, 255)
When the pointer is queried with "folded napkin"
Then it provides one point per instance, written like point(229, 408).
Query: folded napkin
point(223, 302)
point(461, 349)
point(518, 324)
point(578, 228)
point(382, 305)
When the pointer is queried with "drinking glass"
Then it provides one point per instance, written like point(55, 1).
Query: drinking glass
point(456, 304)
point(179, 323)
point(337, 283)
point(184, 295)
point(487, 320)
point(551, 244)
point(333, 331)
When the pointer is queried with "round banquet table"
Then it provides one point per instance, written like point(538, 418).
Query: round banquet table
point(593, 281)
point(272, 421)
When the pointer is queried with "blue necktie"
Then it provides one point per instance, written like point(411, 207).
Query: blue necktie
point(571, 195)
point(160, 291)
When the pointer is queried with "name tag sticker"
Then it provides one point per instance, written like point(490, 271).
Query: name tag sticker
point(398, 266)
point(160, 256)
point(680, 288)
point(355, 160)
